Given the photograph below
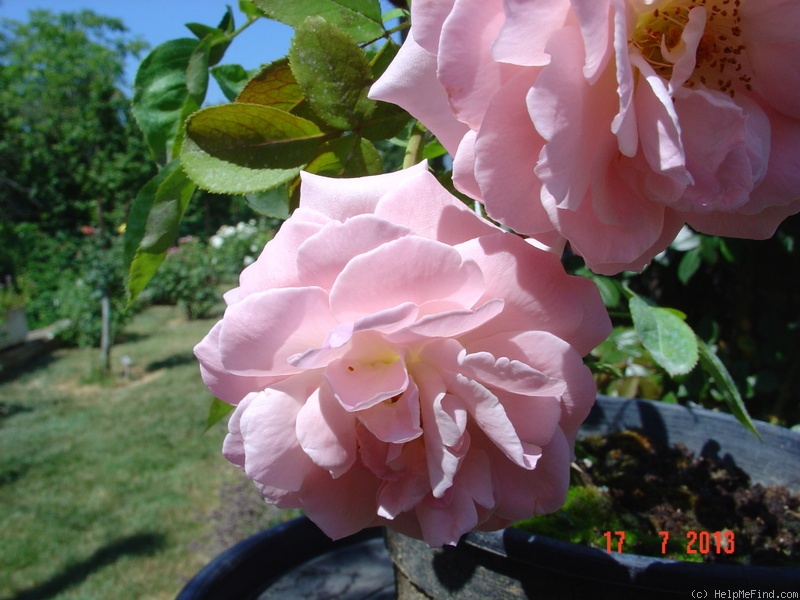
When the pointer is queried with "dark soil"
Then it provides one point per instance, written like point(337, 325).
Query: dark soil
point(670, 503)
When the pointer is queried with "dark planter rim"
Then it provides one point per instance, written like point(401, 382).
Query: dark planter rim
point(244, 570)
point(613, 414)
point(255, 563)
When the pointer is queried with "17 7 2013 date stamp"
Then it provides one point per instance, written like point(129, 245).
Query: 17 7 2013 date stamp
point(694, 542)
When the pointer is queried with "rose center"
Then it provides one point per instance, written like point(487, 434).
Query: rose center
point(719, 59)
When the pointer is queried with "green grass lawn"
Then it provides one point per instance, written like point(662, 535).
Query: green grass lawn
point(111, 489)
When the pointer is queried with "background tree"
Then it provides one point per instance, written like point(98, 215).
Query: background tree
point(71, 162)
point(69, 151)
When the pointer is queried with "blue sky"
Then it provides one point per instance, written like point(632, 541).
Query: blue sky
point(157, 21)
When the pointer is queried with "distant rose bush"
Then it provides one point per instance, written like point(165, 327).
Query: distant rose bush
point(396, 360)
point(612, 122)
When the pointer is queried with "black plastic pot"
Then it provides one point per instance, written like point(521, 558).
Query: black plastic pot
point(516, 564)
point(296, 560)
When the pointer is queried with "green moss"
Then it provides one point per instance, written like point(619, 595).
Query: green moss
point(590, 518)
point(585, 516)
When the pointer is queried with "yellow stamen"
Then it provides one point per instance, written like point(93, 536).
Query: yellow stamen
point(720, 60)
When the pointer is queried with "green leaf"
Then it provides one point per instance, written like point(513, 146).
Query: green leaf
point(218, 37)
point(143, 267)
point(333, 73)
point(709, 247)
point(274, 86)
point(220, 43)
point(689, 264)
point(371, 157)
point(231, 79)
point(140, 209)
point(713, 366)
point(169, 204)
point(217, 411)
point(670, 341)
point(153, 224)
point(221, 177)
point(609, 290)
point(726, 252)
point(678, 313)
point(254, 136)
point(201, 30)
point(189, 107)
point(347, 156)
point(433, 149)
point(197, 71)
point(360, 18)
point(227, 23)
point(383, 58)
point(272, 203)
point(249, 10)
point(385, 122)
point(160, 94)
point(395, 13)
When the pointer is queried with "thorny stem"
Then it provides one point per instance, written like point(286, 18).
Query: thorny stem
point(416, 142)
point(388, 34)
point(403, 25)
point(241, 29)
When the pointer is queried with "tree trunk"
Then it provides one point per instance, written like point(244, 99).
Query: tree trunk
point(105, 332)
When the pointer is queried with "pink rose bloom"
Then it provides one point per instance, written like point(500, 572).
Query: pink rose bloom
point(396, 360)
point(612, 122)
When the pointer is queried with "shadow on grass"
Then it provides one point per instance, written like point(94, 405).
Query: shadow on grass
point(176, 360)
point(7, 373)
point(131, 337)
point(142, 544)
point(9, 409)
point(12, 475)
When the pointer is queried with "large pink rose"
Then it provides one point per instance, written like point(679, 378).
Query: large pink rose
point(612, 122)
point(396, 360)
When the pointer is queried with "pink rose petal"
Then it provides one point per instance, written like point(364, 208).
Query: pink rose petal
point(407, 358)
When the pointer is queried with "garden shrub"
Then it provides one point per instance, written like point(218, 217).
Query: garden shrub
point(236, 246)
point(188, 278)
point(78, 298)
